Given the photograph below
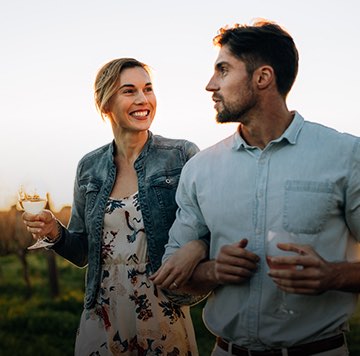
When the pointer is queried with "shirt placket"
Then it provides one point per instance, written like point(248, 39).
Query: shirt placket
point(259, 214)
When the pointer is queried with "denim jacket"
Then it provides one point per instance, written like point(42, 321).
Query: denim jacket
point(158, 170)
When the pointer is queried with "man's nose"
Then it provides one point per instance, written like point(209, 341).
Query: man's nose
point(212, 86)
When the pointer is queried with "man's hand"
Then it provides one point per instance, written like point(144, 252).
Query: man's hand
point(308, 272)
point(235, 264)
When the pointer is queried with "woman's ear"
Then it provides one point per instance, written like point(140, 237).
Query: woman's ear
point(105, 109)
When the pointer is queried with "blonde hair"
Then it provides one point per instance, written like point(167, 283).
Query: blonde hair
point(107, 80)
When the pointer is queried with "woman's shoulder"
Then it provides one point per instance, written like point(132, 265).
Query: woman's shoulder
point(165, 143)
point(171, 142)
point(105, 150)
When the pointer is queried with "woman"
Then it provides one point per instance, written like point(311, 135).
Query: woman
point(124, 204)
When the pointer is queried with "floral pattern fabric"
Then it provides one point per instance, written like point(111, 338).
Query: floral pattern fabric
point(131, 315)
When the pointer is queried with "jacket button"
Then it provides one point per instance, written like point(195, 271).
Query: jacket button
point(167, 180)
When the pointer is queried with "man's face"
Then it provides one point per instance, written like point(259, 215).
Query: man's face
point(232, 87)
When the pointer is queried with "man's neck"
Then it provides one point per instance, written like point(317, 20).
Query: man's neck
point(266, 127)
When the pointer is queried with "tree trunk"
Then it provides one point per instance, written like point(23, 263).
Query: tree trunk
point(22, 256)
point(53, 273)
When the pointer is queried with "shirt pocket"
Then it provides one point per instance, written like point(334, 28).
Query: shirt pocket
point(307, 205)
point(164, 189)
point(91, 193)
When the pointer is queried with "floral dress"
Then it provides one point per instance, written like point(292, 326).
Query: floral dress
point(131, 315)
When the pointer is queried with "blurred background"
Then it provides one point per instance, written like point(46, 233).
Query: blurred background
point(50, 53)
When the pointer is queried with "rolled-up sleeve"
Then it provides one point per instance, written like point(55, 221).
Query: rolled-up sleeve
point(352, 210)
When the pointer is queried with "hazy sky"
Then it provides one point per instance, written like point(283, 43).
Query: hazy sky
point(51, 50)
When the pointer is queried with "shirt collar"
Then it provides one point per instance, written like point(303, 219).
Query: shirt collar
point(290, 134)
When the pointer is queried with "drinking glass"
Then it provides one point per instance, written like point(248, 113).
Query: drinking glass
point(272, 239)
point(33, 202)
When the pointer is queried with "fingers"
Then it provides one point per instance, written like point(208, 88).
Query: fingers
point(168, 277)
point(296, 262)
point(232, 274)
point(234, 263)
point(39, 225)
point(35, 227)
point(178, 268)
point(309, 287)
point(243, 243)
point(234, 255)
point(297, 248)
point(302, 274)
point(296, 274)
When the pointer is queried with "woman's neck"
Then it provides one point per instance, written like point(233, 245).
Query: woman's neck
point(130, 145)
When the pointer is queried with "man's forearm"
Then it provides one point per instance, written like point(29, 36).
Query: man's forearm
point(203, 279)
point(347, 276)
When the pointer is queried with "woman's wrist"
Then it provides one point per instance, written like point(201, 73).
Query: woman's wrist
point(55, 233)
point(200, 248)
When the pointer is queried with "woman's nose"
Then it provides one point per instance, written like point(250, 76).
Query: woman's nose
point(140, 98)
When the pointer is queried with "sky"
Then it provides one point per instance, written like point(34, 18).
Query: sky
point(51, 51)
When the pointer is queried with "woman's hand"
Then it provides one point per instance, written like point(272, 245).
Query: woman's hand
point(41, 225)
point(178, 268)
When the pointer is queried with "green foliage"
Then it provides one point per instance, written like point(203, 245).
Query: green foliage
point(44, 326)
point(39, 325)
point(204, 338)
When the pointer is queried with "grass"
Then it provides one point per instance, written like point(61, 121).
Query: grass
point(45, 326)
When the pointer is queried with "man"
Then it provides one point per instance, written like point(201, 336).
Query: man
point(277, 171)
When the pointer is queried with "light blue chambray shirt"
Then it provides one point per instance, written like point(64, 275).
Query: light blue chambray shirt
point(307, 182)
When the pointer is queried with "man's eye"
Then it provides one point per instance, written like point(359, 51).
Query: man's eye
point(148, 89)
point(223, 70)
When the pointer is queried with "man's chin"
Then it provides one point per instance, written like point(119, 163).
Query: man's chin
point(223, 120)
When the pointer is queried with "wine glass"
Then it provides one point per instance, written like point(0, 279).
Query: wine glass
point(272, 239)
point(33, 202)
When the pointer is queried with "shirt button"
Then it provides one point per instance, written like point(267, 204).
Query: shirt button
point(167, 180)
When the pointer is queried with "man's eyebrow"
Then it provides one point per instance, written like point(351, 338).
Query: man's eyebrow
point(220, 64)
point(132, 85)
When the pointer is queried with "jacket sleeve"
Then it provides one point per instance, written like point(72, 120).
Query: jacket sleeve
point(191, 149)
point(73, 244)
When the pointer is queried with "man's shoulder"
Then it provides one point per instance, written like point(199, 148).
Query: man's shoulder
point(328, 134)
point(216, 150)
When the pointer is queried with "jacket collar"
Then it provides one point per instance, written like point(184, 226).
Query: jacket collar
point(111, 150)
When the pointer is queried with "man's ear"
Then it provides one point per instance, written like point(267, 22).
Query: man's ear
point(265, 76)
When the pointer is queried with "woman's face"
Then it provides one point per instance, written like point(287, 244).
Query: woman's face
point(133, 106)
